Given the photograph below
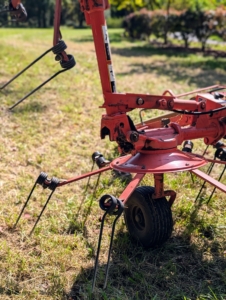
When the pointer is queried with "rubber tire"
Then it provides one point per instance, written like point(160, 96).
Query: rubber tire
point(149, 221)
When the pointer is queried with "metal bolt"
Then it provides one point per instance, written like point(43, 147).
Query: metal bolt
point(134, 137)
point(140, 101)
point(170, 104)
point(58, 57)
point(203, 105)
point(165, 121)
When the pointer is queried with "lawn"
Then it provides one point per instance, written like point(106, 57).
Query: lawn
point(56, 130)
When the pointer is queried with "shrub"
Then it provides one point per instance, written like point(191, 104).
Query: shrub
point(189, 24)
point(205, 26)
point(220, 17)
point(138, 25)
point(162, 23)
point(184, 24)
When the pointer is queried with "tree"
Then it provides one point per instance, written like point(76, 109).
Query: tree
point(73, 14)
point(185, 23)
point(41, 13)
point(205, 26)
point(138, 24)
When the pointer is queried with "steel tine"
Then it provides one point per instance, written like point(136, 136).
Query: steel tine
point(25, 204)
point(98, 251)
point(222, 173)
point(66, 65)
point(96, 185)
point(26, 68)
point(42, 211)
point(119, 212)
point(61, 46)
point(205, 150)
point(53, 185)
point(107, 203)
point(89, 178)
point(40, 180)
point(37, 88)
point(219, 153)
point(101, 162)
point(210, 167)
point(204, 182)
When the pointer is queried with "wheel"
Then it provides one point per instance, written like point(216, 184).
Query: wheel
point(149, 221)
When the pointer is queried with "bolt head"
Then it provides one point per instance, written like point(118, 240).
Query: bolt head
point(203, 105)
point(134, 137)
point(140, 101)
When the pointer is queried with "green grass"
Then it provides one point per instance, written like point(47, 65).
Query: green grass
point(56, 130)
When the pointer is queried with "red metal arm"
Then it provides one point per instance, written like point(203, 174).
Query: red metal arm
point(15, 3)
point(57, 34)
point(17, 11)
point(94, 14)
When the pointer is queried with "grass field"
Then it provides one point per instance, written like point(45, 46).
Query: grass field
point(56, 130)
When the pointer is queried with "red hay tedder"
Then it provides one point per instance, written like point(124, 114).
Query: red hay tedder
point(149, 147)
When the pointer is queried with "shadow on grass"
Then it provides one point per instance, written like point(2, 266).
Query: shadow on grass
point(115, 37)
point(29, 107)
point(153, 49)
point(207, 71)
point(85, 206)
point(179, 269)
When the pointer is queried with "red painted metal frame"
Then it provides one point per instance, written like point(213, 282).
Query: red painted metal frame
point(57, 34)
point(15, 3)
point(150, 147)
point(131, 187)
point(83, 176)
point(210, 180)
point(115, 122)
point(145, 143)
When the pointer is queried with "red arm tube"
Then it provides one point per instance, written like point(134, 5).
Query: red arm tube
point(15, 3)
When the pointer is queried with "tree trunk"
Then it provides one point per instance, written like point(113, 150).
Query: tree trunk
point(203, 46)
point(80, 22)
point(39, 18)
point(166, 29)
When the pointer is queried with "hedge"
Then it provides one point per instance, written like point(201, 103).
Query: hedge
point(199, 24)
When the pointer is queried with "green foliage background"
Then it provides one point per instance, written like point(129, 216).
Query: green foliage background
point(41, 13)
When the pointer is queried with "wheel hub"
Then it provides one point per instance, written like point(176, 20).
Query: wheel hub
point(138, 218)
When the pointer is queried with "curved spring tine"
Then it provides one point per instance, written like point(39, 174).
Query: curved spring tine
point(40, 180)
point(222, 173)
point(96, 185)
point(109, 209)
point(204, 182)
point(52, 186)
point(24, 206)
point(60, 46)
point(119, 212)
point(22, 71)
point(89, 178)
point(42, 211)
point(37, 88)
point(66, 65)
point(116, 207)
point(98, 251)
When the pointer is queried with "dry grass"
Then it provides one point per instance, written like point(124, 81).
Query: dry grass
point(56, 131)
